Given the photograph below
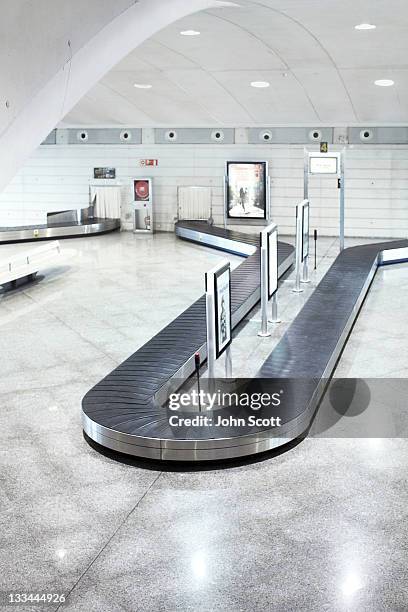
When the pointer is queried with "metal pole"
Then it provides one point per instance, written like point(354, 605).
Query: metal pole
point(297, 288)
point(275, 319)
point(315, 248)
point(225, 200)
point(264, 333)
point(228, 362)
point(178, 202)
point(342, 194)
point(211, 218)
point(306, 175)
point(305, 276)
point(197, 369)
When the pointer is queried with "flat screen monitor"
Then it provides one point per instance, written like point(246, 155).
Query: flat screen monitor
point(246, 190)
point(323, 165)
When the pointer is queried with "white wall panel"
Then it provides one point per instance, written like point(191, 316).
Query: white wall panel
point(57, 178)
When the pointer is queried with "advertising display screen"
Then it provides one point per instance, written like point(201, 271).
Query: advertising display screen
point(222, 293)
point(319, 164)
point(141, 189)
point(246, 195)
point(305, 231)
point(272, 262)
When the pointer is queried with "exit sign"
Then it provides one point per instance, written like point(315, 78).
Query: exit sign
point(149, 162)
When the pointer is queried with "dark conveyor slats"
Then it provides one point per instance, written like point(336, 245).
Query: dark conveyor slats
point(121, 412)
point(130, 388)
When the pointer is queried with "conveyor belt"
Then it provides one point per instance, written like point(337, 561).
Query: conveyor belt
point(124, 412)
point(33, 233)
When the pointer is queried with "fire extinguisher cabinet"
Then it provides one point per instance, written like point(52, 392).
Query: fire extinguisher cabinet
point(143, 206)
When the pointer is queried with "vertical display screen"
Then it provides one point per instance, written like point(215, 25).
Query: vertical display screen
point(222, 292)
point(246, 190)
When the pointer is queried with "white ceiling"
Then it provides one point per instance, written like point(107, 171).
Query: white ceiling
point(321, 70)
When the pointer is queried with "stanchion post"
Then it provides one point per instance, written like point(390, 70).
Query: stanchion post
point(305, 277)
point(315, 248)
point(342, 193)
point(209, 302)
point(275, 318)
point(264, 333)
point(297, 288)
point(197, 370)
point(228, 363)
point(268, 197)
point(305, 208)
point(226, 187)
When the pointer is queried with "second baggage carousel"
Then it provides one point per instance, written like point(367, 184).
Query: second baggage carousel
point(54, 231)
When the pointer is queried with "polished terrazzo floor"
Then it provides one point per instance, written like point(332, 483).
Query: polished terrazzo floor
point(322, 526)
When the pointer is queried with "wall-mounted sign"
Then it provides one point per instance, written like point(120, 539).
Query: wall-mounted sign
point(246, 190)
point(104, 173)
point(323, 164)
point(324, 147)
point(141, 190)
point(149, 162)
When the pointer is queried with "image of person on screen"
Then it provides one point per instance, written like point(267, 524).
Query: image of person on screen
point(242, 198)
point(246, 198)
point(247, 193)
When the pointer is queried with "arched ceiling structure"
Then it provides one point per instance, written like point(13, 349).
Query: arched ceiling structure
point(321, 69)
point(52, 52)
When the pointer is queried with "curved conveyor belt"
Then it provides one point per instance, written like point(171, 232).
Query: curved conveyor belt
point(124, 411)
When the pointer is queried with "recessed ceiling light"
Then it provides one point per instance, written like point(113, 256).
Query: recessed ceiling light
point(384, 83)
point(190, 33)
point(365, 26)
point(260, 84)
point(142, 85)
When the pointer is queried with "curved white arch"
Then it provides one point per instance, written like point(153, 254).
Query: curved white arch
point(86, 67)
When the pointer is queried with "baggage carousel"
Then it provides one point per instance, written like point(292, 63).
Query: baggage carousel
point(126, 411)
point(54, 231)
